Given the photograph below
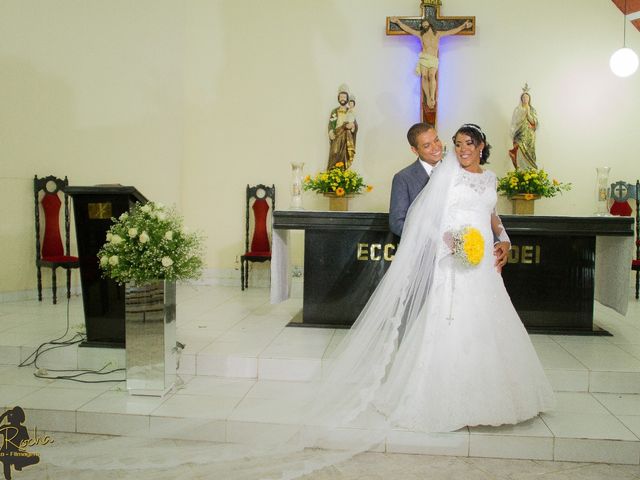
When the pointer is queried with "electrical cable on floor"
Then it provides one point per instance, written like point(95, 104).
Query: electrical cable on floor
point(41, 372)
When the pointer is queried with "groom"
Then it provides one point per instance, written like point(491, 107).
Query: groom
point(409, 182)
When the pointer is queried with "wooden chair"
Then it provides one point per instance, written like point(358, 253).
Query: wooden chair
point(49, 251)
point(635, 264)
point(260, 251)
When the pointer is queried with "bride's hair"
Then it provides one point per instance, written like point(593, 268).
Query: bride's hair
point(478, 137)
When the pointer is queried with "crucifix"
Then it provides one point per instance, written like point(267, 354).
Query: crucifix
point(429, 28)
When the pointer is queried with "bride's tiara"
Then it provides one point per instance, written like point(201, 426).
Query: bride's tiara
point(475, 127)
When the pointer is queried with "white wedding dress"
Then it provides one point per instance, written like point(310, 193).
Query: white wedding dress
point(473, 362)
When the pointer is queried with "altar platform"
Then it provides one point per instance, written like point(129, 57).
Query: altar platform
point(242, 366)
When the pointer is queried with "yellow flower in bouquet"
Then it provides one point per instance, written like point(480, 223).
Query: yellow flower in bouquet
point(467, 245)
point(473, 245)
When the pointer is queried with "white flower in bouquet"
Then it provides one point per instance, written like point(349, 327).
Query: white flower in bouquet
point(163, 249)
point(124, 216)
point(167, 262)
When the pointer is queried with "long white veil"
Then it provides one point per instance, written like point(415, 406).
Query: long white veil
point(351, 402)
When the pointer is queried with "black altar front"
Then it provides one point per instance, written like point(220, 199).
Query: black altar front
point(102, 298)
point(550, 275)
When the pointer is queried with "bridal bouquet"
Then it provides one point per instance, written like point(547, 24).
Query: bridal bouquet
point(149, 243)
point(467, 245)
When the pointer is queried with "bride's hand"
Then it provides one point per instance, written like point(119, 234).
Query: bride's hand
point(501, 252)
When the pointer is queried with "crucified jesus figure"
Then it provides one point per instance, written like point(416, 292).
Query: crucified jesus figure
point(427, 66)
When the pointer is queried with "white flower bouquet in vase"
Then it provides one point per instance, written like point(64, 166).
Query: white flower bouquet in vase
point(148, 250)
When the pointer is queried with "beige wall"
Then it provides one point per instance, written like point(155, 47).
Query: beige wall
point(190, 101)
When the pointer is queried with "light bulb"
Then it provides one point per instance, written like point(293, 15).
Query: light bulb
point(624, 62)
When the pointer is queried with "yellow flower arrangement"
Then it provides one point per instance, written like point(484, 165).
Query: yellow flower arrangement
point(530, 182)
point(338, 180)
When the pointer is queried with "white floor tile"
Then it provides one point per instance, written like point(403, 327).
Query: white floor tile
point(121, 402)
point(9, 355)
point(227, 365)
point(200, 429)
point(587, 425)
point(454, 443)
point(579, 402)
point(632, 422)
point(10, 395)
point(112, 423)
point(216, 387)
point(620, 404)
point(260, 433)
point(293, 369)
point(196, 406)
point(537, 448)
point(265, 410)
point(614, 382)
point(48, 398)
point(603, 357)
point(553, 355)
point(584, 450)
point(568, 380)
point(50, 420)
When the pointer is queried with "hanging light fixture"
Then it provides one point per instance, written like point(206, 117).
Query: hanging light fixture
point(624, 61)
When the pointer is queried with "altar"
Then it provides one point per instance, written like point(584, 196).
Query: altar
point(557, 266)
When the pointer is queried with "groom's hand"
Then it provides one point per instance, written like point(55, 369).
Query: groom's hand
point(501, 252)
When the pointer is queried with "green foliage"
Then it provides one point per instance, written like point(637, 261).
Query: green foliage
point(150, 243)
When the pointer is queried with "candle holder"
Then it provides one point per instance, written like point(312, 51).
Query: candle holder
point(602, 191)
point(296, 185)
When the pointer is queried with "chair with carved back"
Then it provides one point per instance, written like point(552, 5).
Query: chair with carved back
point(259, 249)
point(50, 195)
point(635, 263)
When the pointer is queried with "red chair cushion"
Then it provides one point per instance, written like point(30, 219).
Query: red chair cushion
point(52, 242)
point(635, 264)
point(60, 259)
point(622, 209)
point(258, 254)
point(260, 241)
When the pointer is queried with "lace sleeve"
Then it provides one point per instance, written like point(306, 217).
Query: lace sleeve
point(499, 233)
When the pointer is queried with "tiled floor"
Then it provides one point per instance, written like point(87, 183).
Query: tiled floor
point(239, 358)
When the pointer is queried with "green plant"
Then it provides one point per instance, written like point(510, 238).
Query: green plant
point(150, 243)
point(530, 182)
point(337, 180)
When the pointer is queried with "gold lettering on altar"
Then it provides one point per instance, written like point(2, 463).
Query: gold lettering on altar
point(527, 254)
point(376, 252)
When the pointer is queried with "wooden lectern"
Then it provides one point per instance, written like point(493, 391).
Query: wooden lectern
point(102, 298)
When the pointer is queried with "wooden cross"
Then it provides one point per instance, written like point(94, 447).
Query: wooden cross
point(429, 28)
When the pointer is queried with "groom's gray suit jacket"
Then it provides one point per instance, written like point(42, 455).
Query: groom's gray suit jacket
point(406, 186)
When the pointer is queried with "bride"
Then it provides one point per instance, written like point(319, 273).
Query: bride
point(438, 347)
